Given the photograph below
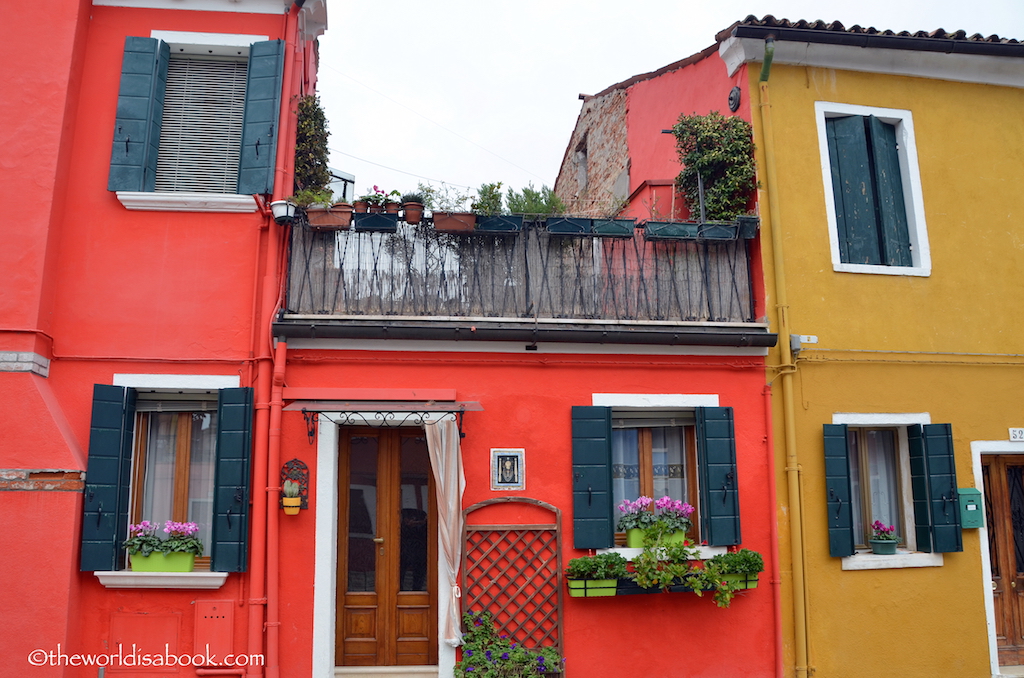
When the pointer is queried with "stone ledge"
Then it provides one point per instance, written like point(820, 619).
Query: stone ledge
point(126, 579)
point(865, 560)
point(24, 361)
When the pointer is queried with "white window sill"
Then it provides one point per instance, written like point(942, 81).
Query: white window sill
point(882, 270)
point(866, 560)
point(187, 202)
point(628, 553)
point(126, 579)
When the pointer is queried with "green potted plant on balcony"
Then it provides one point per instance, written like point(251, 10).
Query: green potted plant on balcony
point(412, 208)
point(491, 217)
point(382, 214)
point(595, 576)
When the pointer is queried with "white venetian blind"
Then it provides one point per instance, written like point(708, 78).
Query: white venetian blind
point(201, 134)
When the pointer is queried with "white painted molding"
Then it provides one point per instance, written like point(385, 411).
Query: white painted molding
point(186, 202)
point(974, 68)
point(649, 400)
point(234, 6)
point(126, 579)
point(200, 382)
point(865, 560)
point(205, 44)
point(704, 552)
point(881, 418)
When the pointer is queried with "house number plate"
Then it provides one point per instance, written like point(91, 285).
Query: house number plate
point(1017, 435)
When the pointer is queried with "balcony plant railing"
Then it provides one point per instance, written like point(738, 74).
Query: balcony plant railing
point(532, 274)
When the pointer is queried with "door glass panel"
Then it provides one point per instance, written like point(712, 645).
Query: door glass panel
point(415, 474)
point(362, 514)
point(1015, 491)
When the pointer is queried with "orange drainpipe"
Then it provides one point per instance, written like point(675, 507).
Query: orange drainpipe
point(263, 536)
point(274, 515)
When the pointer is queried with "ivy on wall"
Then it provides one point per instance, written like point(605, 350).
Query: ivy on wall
point(721, 149)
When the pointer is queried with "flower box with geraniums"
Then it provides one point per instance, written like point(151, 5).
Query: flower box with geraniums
point(884, 539)
point(635, 518)
point(488, 654)
point(176, 553)
point(595, 576)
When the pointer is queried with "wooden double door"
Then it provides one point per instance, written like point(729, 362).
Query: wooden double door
point(387, 559)
point(1004, 516)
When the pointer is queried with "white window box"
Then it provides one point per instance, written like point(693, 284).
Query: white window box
point(126, 579)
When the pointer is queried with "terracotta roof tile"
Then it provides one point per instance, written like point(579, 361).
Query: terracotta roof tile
point(769, 21)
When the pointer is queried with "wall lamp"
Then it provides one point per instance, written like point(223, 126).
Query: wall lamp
point(284, 211)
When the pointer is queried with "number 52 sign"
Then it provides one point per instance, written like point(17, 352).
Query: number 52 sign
point(1017, 435)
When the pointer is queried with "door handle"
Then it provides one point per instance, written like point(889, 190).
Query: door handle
point(378, 540)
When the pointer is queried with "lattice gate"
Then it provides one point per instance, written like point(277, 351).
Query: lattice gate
point(515, 573)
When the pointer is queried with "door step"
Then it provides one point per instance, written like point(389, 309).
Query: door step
point(385, 672)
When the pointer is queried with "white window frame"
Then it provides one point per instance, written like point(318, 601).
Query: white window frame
point(908, 556)
point(910, 176)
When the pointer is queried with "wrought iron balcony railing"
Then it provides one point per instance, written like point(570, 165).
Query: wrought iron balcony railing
point(419, 273)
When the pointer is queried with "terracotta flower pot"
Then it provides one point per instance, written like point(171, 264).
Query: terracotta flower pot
point(360, 205)
point(454, 222)
point(413, 212)
point(392, 207)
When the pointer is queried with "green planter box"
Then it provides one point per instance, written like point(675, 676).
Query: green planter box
point(671, 230)
point(592, 588)
point(746, 581)
point(380, 222)
point(748, 227)
point(163, 562)
point(718, 230)
point(501, 223)
point(614, 228)
point(569, 225)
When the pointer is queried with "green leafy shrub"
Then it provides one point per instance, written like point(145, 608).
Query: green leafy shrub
point(722, 151)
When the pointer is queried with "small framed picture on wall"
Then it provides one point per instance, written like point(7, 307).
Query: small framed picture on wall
point(508, 471)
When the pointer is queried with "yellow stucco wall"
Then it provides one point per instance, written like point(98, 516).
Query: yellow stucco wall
point(899, 344)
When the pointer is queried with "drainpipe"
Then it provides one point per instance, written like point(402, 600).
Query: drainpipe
point(274, 514)
point(263, 573)
point(776, 574)
point(786, 369)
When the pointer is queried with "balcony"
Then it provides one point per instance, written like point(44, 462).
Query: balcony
point(531, 286)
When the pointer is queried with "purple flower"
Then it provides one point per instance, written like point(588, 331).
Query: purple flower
point(469, 653)
point(504, 655)
point(487, 654)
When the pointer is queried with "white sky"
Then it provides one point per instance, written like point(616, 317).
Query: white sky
point(472, 91)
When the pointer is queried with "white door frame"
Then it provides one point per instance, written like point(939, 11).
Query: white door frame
point(978, 448)
point(325, 559)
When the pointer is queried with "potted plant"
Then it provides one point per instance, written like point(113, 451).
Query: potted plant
point(321, 215)
point(664, 566)
point(377, 219)
point(635, 519)
point(672, 520)
point(488, 654)
point(884, 539)
point(741, 567)
point(595, 576)
point(290, 499)
point(490, 215)
point(412, 208)
point(176, 553)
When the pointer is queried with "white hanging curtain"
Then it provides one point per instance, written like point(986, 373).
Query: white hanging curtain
point(450, 481)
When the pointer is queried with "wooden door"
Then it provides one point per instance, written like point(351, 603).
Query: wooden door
point(387, 573)
point(1004, 515)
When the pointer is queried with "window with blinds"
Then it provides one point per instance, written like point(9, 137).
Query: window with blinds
point(201, 134)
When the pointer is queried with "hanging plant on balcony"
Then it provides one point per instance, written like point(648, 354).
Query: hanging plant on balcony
point(721, 151)
point(311, 145)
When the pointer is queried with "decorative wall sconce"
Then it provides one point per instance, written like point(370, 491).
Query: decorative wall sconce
point(294, 487)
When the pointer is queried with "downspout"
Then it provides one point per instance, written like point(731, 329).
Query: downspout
point(260, 588)
point(274, 515)
point(776, 572)
point(786, 369)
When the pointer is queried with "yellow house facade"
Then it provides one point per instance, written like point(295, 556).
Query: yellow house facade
point(891, 170)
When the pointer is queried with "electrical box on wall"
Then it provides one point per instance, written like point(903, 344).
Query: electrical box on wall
point(972, 510)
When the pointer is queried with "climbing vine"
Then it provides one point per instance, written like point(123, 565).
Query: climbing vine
point(721, 149)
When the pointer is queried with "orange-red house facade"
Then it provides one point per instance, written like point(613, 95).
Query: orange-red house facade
point(459, 411)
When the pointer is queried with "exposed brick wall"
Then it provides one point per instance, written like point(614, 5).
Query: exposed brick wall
point(45, 480)
point(601, 132)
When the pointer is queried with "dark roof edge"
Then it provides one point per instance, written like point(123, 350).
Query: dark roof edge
point(476, 331)
point(877, 41)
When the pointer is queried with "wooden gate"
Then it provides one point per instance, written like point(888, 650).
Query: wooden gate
point(515, 573)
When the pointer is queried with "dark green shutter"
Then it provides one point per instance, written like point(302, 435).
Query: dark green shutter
point(262, 109)
point(107, 478)
point(231, 480)
point(839, 495)
point(140, 102)
point(719, 485)
point(892, 210)
point(593, 521)
point(852, 186)
point(933, 480)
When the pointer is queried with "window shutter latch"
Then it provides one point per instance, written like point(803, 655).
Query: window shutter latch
point(99, 515)
point(832, 493)
point(590, 495)
point(725, 487)
point(257, 147)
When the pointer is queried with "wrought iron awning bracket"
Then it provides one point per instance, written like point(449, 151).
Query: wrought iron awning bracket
point(394, 419)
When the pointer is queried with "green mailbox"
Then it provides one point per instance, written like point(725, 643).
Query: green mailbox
point(972, 510)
